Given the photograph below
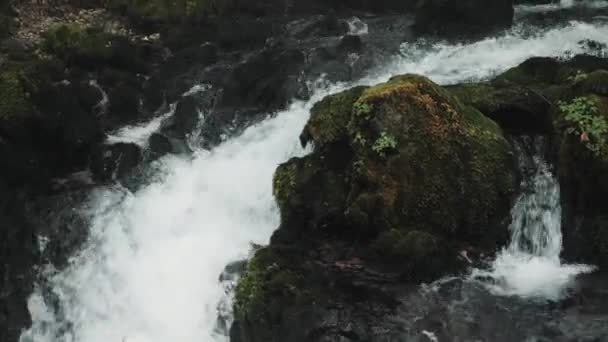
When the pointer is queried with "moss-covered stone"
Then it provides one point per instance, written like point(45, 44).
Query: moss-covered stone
point(401, 178)
point(405, 155)
point(595, 82)
point(273, 281)
point(329, 118)
point(434, 133)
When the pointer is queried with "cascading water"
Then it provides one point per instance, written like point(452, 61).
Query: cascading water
point(530, 266)
point(149, 272)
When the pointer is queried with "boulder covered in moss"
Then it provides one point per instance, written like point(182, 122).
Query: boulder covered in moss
point(402, 178)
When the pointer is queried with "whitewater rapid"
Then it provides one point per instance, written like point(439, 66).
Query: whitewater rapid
point(149, 272)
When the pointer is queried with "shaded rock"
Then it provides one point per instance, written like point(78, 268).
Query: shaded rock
point(185, 119)
point(113, 162)
point(123, 106)
point(541, 72)
point(463, 18)
point(516, 109)
point(19, 253)
point(14, 49)
point(583, 162)
point(267, 80)
point(93, 48)
point(159, 145)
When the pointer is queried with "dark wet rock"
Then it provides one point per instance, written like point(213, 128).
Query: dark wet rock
point(517, 109)
point(159, 145)
point(184, 59)
point(266, 80)
point(18, 255)
point(316, 26)
point(123, 105)
point(14, 49)
point(114, 162)
point(463, 18)
point(184, 120)
point(374, 208)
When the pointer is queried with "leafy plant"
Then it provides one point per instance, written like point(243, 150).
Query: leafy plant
point(362, 108)
point(384, 143)
point(584, 121)
point(360, 139)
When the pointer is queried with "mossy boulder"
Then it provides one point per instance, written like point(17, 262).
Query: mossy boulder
point(402, 178)
point(540, 73)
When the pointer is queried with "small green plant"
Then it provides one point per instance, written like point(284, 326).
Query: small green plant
point(579, 76)
point(362, 108)
point(584, 121)
point(384, 143)
point(360, 139)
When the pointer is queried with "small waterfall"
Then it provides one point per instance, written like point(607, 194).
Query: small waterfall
point(536, 225)
point(530, 266)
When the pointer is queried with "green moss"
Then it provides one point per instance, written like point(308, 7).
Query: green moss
point(384, 144)
point(65, 40)
point(329, 117)
point(284, 181)
point(91, 47)
point(436, 133)
point(268, 280)
point(16, 84)
point(595, 82)
point(586, 122)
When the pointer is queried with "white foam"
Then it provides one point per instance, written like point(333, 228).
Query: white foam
point(560, 5)
point(139, 133)
point(531, 276)
point(357, 27)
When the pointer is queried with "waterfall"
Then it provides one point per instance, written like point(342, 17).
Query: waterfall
point(536, 225)
point(530, 265)
point(149, 272)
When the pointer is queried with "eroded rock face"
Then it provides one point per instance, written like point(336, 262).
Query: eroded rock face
point(402, 178)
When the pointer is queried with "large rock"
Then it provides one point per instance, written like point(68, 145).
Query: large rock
point(463, 18)
point(402, 178)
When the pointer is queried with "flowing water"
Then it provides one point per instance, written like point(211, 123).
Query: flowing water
point(149, 272)
point(530, 266)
